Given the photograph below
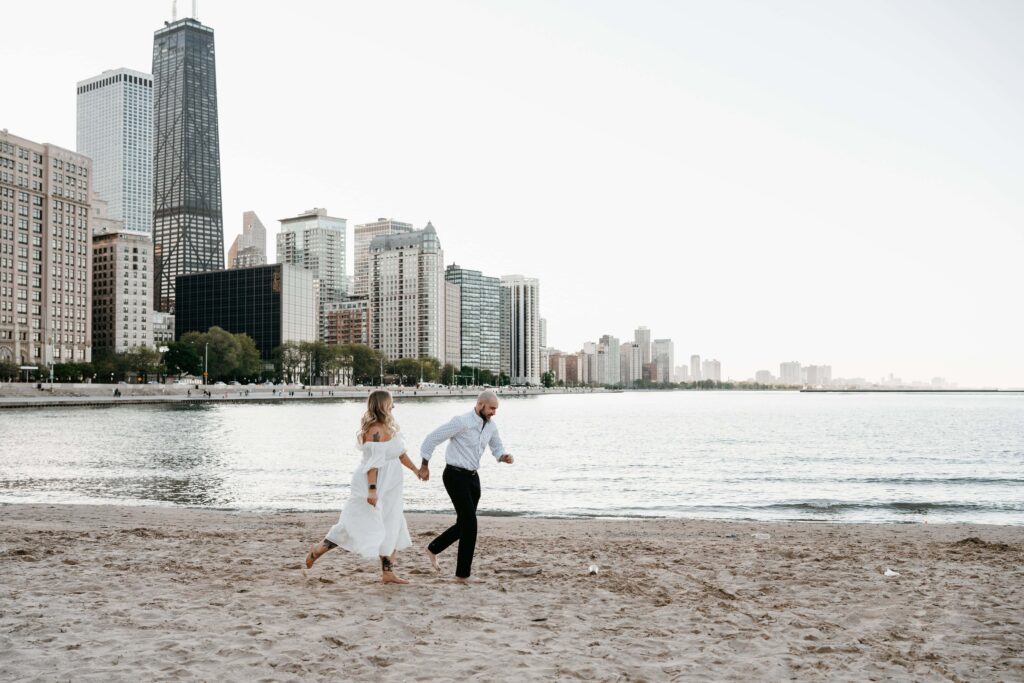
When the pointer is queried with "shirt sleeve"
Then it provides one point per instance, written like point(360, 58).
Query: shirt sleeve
point(440, 435)
point(497, 447)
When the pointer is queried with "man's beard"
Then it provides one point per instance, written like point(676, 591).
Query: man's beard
point(483, 416)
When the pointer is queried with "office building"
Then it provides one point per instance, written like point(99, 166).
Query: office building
point(764, 377)
point(250, 248)
point(818, 375)
point(695, 368)
point(122, 290)
point(272, 304)
point(188, 224)
point(361, 238)
point(520, 307)
point(663, 355)
point(115, 130)
point(45, 254)
point(479, 317)
point(163, 328)
point(612, 366)
point(407, 295)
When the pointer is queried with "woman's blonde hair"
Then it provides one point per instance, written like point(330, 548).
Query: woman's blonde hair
point(376, 403)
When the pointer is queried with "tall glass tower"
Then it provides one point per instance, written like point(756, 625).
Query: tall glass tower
point(188, 225)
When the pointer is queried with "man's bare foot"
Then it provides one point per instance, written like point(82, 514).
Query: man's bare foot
point(389, 577)
point(467, 580)
point(433, 560)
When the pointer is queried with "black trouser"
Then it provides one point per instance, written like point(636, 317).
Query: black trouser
point(463, 487)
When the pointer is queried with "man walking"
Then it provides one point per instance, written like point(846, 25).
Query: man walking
point(467, 436)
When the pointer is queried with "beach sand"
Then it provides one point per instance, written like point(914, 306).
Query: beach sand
point(148, 593)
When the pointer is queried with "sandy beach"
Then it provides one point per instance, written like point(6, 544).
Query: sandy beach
point(151, 593)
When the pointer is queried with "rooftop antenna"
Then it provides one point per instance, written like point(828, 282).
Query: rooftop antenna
point(174, 10)
point(195, 9)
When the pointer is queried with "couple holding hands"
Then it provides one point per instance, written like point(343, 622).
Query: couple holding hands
point(372, 523)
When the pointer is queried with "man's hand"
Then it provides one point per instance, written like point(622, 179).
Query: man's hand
point(424, 472)
point(507, 458)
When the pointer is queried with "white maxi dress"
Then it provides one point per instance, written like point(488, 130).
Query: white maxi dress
point(375, 531)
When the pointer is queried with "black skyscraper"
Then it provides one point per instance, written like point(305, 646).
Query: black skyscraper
point(188, 226)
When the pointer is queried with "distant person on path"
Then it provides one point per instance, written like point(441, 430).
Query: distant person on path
point(467, 436)
point(372, 523)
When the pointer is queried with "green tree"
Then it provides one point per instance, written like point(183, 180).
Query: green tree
point(288, 361)
point(448, 374)
point(8, 371)
point(547, 379)
point(182, 358)
point(365, 362)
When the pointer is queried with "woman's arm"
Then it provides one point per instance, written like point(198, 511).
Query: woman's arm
point(371, 480)
point(404, 459)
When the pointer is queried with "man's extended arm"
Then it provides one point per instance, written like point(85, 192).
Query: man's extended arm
point(498, 448)
point(440, 435)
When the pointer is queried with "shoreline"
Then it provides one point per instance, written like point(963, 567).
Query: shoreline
point(120, 592)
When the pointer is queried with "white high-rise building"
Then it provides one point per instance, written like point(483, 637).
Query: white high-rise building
point(789, 373)
point(642, 338)
point(362, 236)
point(695, 368)
point(115, 129)
point(315, 242)
point(408, 295)
point(520, 326)
point(664, 358)
point(712, 369)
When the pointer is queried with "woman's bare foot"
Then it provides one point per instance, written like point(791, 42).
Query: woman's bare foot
point(389, 577)
point(433, 560)
point(315, 551)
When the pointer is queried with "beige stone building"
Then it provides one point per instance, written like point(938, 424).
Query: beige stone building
point(122, 279)
point(45, 253)
point(361, 238)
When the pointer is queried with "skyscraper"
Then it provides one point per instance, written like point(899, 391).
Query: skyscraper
point(362, 236)
point(695, 368)
point(115, 129)
point(188, 226)
point(664, 358)
point(407, 295)
point(480, 317)
point(642, 338)
point(520, 308)
point(250, 248)
point(613, 365)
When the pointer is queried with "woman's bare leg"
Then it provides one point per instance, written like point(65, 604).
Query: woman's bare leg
point(316, 550)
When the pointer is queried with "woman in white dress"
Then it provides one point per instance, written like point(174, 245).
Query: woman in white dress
point(372, 524)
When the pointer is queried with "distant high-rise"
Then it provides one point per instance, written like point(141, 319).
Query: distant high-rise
point(362, 236)
point(480, 317)
point(520, 309)
point(188, 226)
point(315, 242)
point(407, 295)
point(664, 357)
point(250, 248)
point(115, 129)
point(642, 338)
point(122, 290)
point(712, 370)
point(695, 368)
point(790, 373)
point(612, 365)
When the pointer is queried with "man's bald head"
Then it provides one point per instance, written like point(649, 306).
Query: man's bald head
point(486, 404)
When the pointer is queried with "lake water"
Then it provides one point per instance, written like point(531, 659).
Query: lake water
point(754, 455)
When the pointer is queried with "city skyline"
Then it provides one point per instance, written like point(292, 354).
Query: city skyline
point(826, 182)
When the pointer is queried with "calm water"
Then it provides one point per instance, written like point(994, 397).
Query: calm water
point(840, 457)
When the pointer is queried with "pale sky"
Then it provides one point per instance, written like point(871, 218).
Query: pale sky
point(828, 182)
